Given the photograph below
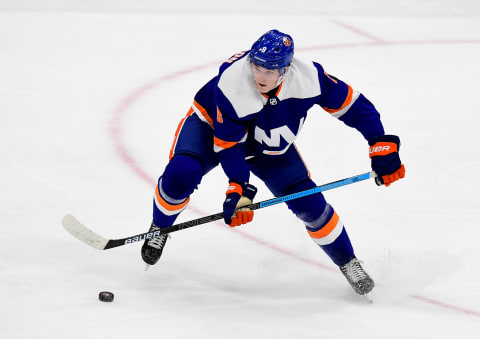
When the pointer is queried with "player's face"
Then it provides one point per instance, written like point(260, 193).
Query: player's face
point(265, 79)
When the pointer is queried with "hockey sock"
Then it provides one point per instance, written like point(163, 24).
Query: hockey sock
point(322, 223)
point(180, 178)
point(329, 233)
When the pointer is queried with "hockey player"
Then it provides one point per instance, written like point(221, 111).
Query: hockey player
point(246, 119)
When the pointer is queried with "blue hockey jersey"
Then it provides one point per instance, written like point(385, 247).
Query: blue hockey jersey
point(246, 122)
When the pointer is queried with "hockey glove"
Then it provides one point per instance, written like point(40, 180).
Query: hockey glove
point(385, 159)
point(238, 196)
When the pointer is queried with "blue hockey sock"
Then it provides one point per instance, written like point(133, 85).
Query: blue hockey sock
point(329, 233)
point(323, 224)
point(180, 178)
point(341, 250)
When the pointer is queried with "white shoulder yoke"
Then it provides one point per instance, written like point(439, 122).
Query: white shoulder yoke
point(301, 81)
point(238, 86)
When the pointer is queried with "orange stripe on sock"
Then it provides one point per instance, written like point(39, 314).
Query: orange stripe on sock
point(166, 205)
point(327, 229)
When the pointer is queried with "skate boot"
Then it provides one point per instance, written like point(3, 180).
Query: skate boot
point(357, 277)
point(152, 248)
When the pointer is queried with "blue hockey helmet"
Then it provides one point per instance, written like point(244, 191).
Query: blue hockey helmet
point(273, 50)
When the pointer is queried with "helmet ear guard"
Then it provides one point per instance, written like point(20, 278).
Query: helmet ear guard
point(273, 50)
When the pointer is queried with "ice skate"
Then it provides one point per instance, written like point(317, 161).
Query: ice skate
point(357, 277)
point(152, 248)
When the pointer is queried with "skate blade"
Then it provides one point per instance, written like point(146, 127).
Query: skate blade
point(363, 298)
point(368, 298)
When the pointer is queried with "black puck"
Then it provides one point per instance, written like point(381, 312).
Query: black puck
point(105, 296)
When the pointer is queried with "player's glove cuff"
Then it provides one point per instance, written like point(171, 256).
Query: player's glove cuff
point(386, 160)
point(384, 145)
point(238, 196)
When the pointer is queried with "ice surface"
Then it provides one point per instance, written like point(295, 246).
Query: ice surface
point(90, 97)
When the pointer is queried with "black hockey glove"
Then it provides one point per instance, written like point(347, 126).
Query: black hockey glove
point(385, 159)
point(238, 196)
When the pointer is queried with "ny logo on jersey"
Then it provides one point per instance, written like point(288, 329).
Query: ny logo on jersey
point(275, 134)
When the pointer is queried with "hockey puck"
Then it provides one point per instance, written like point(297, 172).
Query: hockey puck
point(105, 296)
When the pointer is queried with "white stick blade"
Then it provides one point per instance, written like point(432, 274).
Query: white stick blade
point(83, 233)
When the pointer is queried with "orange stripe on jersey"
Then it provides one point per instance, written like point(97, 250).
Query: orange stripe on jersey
point(166, 205)
point(276, 93)
point(203, 111)
point(330, 77)
point(383, 148)
point(279, 89)
point(304, 163)
point(347, 102)
point(177, 132)
point(223, 144)
point(327, 229)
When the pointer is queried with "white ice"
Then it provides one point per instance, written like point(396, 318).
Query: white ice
point(90, 97)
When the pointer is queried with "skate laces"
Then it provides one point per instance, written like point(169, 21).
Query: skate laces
point(157, 242)
point(354, 271)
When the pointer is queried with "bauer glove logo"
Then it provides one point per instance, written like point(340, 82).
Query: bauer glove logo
point(379, 149)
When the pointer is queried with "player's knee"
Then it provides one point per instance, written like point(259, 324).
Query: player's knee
point(308, 208)
point(182, 176)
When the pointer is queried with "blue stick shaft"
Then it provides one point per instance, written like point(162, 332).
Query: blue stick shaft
point(317, 189)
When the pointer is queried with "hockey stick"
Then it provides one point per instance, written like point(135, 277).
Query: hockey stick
point(83, 233)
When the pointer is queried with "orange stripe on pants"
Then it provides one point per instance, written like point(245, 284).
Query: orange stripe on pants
point(177, 132)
